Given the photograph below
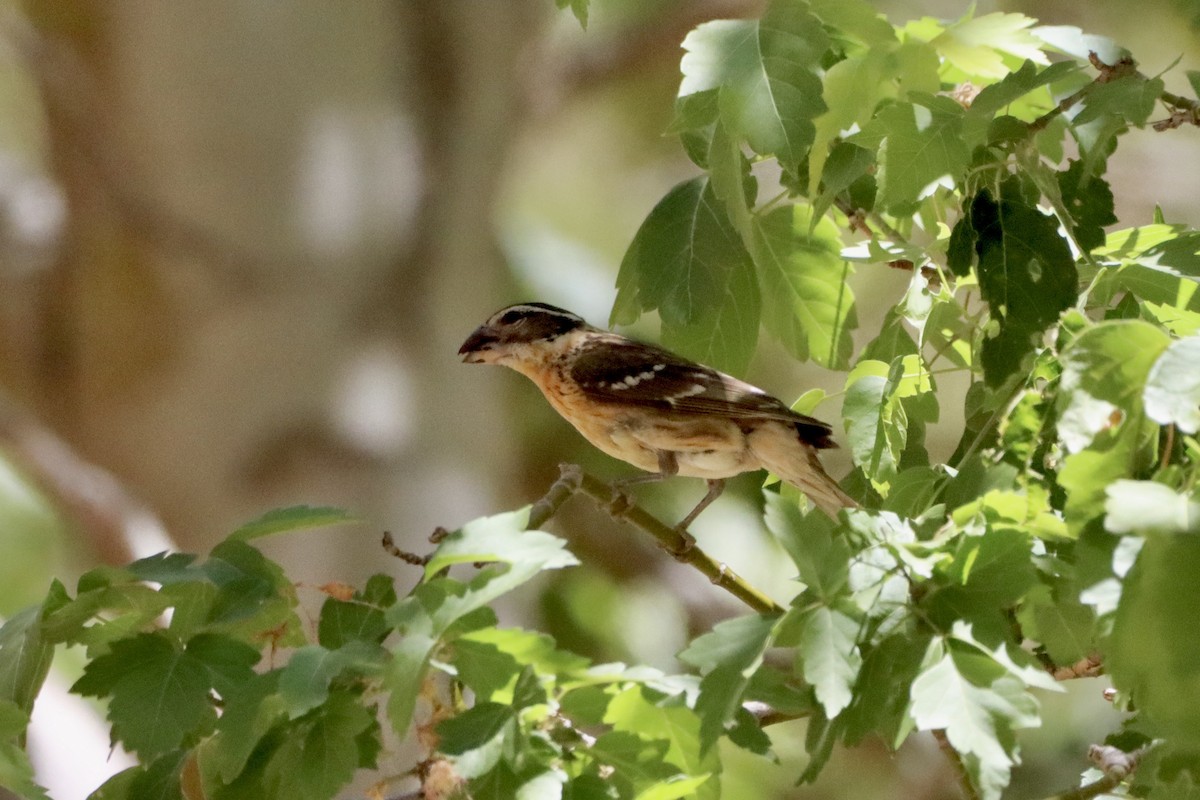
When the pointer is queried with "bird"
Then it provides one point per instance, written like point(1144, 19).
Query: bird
point(661, 412)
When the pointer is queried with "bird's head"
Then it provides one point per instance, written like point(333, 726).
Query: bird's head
point(513, 333)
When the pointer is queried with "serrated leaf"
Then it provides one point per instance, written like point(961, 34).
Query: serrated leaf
point(360, 618)
point(1130, 97)
point(16, 771)
point(630, 712)
point(766, 73)
point(978, 720)
point(161, 692)
point(282, 520)
point(828, 656)
point(502, 537)
point(1026, 273)
point(1063, 625)
point(25, 658)
point(1172, 393)
point(885, 681)
point(321, 751)
point(251, 710)
point(637, 764)
point(976, 44)
point(688, 262)
point(821, 557)
point(1015, 85)
point(673, 788)
point(728, 656)
point(403, 678)
point(474, 728)
point(1089, 202)
point(304, 682)
point(919, 145)
point(1104, 372)
point(1073, 41)
point(862, 413)
point(807, 303)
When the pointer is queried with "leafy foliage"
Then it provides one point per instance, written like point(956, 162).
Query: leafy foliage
point(1059, 533)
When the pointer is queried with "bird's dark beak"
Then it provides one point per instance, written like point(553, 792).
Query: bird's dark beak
point(478, 343)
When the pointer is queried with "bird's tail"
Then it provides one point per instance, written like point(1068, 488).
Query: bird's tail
point(783, 452)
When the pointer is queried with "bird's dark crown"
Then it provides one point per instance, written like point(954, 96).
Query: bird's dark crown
point(523, 322)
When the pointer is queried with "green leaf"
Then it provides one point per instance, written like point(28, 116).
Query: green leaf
point(766, 73)
point(822, 557)
point(807, 303)
point(1085, 475)
point(1131, 97)
point(1063, 625)
point(403, 678)
point(251, 710)
point(631, 712)
point(828, 656)
point(25, 658)
point(321, 750)
point(282, 520)
point(578, 7)
point(1148, 655)
point(160, 692)
point(674, 787)
point(637, 764)
point(1172, 393)
point(881, 704)
point(847, 163)
point(503, 537)
point(976, 45)
point(1134, 506)
point(304, 682)
point(920, 145)
point(1104, 371)
point(978, 715)
point(253, 595)
point(688, 262)
point(1026, 274)
point(1015, 85)
point(1089, 200)
point(987, 575)
point(360, 619)
point(862, 412)
point(16, 772)
point(727, 656)
point(474, 728)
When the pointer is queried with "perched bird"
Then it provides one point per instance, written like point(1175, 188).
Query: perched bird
point(654, 409)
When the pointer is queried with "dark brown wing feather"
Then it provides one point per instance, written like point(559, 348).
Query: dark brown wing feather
point(618, 370)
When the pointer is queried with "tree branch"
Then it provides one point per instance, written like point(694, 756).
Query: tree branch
point(573, 480)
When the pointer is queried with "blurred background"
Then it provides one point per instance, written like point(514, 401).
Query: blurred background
point(240, 244)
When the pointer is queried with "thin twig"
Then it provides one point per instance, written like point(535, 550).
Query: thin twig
point(1117, 765)
point(1086, 667)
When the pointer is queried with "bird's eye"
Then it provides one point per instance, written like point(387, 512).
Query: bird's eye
point(510, 317)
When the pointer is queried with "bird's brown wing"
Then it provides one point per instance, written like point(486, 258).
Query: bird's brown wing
point(622, 371)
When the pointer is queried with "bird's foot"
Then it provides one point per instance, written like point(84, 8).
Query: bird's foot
point(685, 545)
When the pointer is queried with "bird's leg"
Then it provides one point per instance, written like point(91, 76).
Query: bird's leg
point(667, 467)
point(715, 487)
